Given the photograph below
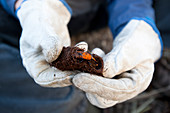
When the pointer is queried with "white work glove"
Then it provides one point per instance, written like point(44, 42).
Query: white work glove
point(132, 59)
point(44, 33)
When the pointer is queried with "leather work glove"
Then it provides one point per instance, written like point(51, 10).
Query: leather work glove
point(131, 61)
point(44, 33)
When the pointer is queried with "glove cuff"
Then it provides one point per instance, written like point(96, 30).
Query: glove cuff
point(142, 30)
point(153, 25)
point(19, 8)
point(67, 6)
point(63, 1)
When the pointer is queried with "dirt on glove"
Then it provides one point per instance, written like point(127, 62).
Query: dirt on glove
point(74, 58)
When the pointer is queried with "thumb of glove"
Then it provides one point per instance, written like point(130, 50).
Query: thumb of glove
point(98, 52)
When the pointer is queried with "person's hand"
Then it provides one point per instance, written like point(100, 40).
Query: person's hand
point(44, 33)
point(131, 61)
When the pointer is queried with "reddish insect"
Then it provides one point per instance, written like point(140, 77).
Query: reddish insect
point(85, 56)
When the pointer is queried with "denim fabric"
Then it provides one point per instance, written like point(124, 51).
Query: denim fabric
point(121, 11)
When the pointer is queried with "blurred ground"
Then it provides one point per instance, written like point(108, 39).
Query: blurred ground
point(156, 99)
point(101, 38)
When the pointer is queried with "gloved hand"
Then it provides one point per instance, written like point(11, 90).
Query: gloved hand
point(132, 59)
point(44, 33)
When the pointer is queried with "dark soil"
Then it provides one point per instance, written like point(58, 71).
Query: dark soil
point(74, 58)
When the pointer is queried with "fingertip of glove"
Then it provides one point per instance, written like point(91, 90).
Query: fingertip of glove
point(108, 73)
point(82, 45)
point(110, 66)
point(51, 48)
point(98, 52)
point(52, 55)
point(76, 80)
point(80, 80)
